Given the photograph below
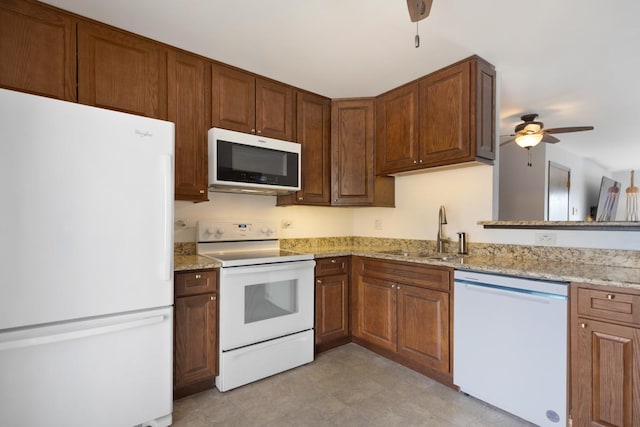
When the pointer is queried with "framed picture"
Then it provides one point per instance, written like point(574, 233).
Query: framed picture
point(608, 199)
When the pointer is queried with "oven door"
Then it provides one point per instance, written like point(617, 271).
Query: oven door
point(262, 302)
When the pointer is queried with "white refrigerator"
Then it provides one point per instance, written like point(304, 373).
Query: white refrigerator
point(86, 270)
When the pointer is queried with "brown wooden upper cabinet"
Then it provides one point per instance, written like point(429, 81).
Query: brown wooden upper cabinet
point(444, 118)
point(188, 105)
point(37, 50)
point(250, 104)
point(120, 71)
point(353, 180)
point(313, 131)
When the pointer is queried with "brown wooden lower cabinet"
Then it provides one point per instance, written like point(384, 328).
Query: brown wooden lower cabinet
point(402, 311)
point(605, 356)
point(332, 326)
point(195, 336)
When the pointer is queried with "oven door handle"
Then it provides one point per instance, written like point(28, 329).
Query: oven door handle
point(281, 266)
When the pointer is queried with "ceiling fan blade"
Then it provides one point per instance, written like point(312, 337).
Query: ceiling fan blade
point(419, 9)
point(506, 139)
point(550, 139)
point(569, 129)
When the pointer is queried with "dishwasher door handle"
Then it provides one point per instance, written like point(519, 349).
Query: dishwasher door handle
point(509, 291)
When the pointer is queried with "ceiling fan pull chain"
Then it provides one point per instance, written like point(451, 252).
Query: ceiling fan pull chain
point(529, 157)
point(417, 39)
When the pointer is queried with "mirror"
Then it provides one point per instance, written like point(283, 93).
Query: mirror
point(534, 193)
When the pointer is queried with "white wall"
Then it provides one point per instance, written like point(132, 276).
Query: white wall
point(465, 193)
point(522, 187)
point(306, 221)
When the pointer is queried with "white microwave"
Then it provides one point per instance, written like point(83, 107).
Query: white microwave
point(252, 164)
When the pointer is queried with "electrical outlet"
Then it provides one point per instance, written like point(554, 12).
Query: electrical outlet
point(546, 239)
point(377, 224)
point(287, 224)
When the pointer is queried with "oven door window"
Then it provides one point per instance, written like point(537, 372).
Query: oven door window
point(264, 301)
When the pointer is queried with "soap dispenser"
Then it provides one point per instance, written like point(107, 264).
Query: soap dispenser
point(462, 243)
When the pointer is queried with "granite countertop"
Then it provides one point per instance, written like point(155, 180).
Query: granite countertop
point(193, 262)
point(538, 269)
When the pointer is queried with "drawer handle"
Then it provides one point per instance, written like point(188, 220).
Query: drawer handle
point(213, 298)
point(610, 296)
point(198, 276)
point(583, 325)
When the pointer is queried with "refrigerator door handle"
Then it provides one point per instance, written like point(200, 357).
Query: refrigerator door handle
point(81, 333)
point(166, 273)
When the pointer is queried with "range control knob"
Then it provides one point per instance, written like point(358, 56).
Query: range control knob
point(215, 232)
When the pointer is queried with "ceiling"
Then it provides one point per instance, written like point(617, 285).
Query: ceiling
point(575, 62)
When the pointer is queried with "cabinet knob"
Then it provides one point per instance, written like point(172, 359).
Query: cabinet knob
point(610, 296)
point(583, 325)
point(398, 287)
point(201, 191)
point(319, 281)
point(253, 131)
point(333, 261)
point(393, 286)
point(415, 161)
point(213, 298)
point(198, 276)
point(420, 160)
point(300, 198)
point(259, 132)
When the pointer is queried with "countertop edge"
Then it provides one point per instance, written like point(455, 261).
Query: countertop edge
point(623, 277)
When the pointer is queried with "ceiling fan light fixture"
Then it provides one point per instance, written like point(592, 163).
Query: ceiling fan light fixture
point(529, 140)
point(532, 128)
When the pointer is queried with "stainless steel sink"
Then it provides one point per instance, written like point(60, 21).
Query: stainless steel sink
point(447, 257)
point(427, 255)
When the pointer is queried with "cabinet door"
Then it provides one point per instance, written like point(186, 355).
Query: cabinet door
point(376, 315)
point(120, 71)
point(233, 99)
point(195, 339)
point(445, 116)
point(352, 152)
point(483, 131)
point(397, 129)
point(606, 375)
point(423, 326)
point(188, 107)
point(37, 50)
point(313, 131)
point(332, 309)
point(274, 110)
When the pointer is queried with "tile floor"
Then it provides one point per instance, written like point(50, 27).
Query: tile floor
point(346, 386)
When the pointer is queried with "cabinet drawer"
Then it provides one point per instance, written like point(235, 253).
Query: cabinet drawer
point(331, 266)
point(418, 275)
point(609, 305)
point(196, 282)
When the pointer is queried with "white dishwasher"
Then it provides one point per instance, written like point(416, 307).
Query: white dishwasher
point(510, 344)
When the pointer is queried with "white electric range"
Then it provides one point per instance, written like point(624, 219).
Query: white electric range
point(266, 300)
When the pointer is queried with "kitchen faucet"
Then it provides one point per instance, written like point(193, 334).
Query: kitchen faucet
point(442, 219)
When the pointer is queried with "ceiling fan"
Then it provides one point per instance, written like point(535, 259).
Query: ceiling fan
point(531, 132)
point(418, 10)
